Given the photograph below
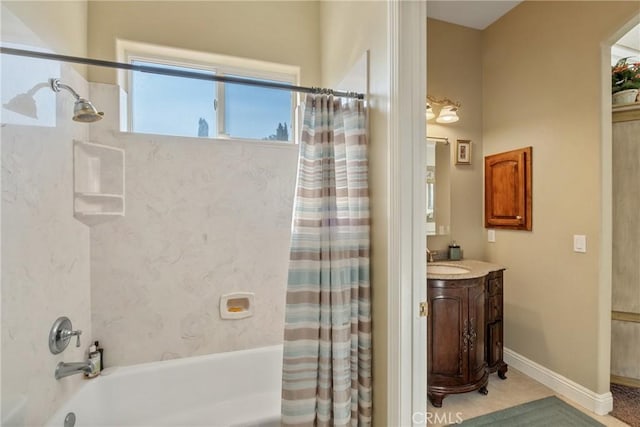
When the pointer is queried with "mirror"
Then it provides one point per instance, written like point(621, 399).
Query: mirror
point(438, 185)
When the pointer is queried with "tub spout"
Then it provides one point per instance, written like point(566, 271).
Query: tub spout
point(65, 369)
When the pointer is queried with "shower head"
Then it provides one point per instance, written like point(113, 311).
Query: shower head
point(83, 110)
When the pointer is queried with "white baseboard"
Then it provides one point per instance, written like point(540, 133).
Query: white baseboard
point(601, 404)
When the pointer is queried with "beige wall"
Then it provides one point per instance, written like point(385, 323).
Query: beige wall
point(342, 45)
point(454, 70)
point(282, 32)
point(60, 25)
point(535, 66)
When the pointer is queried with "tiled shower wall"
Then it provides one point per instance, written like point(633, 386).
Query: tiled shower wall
point(203, 218)
point(45, 251)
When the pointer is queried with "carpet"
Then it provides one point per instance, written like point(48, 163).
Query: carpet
point(626, 404)
point(546, 412)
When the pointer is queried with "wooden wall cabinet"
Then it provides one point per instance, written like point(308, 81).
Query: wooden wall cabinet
point(507, 190)
point(456, 337)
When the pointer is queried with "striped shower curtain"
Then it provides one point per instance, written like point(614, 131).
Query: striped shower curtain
point(326, 377)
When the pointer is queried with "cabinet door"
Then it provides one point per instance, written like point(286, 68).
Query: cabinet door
point(494, 341)
point(476, 332)
point(494, 283)
point(507, 190)
point(446, 322)
point(495, 308)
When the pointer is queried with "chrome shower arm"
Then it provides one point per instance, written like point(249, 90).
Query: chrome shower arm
point(57, 86)
point(83, 109)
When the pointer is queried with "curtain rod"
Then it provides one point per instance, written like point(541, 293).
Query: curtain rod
point(178, 73)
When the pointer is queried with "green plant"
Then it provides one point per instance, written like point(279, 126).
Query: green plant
point(625, 75)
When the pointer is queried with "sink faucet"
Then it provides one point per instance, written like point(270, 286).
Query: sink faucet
point(430, 255)
point(65, 369)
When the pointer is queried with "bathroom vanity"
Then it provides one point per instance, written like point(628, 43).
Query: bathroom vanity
point(464, 332)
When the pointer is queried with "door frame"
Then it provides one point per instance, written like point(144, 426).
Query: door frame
point(605, 279)
point(406, 330)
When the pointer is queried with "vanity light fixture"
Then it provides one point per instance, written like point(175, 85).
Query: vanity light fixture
point(448, 110)
point(430, 113)
point(448, 115)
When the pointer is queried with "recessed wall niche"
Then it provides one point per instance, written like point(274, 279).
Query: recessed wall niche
point(98, 175)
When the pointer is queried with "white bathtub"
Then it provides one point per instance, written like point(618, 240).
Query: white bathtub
point(240, 388)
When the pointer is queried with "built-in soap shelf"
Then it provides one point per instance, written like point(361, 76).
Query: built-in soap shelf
point(98, 182)
point(236, 305)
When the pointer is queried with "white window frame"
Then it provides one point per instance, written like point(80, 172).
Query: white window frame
point(128, 51)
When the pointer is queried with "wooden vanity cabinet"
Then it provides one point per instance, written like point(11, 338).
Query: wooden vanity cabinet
point(456, 337)
point(494, 324)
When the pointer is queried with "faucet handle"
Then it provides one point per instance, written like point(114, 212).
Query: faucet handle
point(66, 333)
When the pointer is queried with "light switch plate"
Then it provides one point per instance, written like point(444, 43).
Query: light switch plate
point(579, 243)
point(491, 236)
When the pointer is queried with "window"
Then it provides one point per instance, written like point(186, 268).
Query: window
point(180, 106)
point(170, 105)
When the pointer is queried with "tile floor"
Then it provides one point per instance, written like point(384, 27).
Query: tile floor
point(515, 390)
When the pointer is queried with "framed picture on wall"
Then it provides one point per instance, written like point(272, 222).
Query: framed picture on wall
point(463, 152)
